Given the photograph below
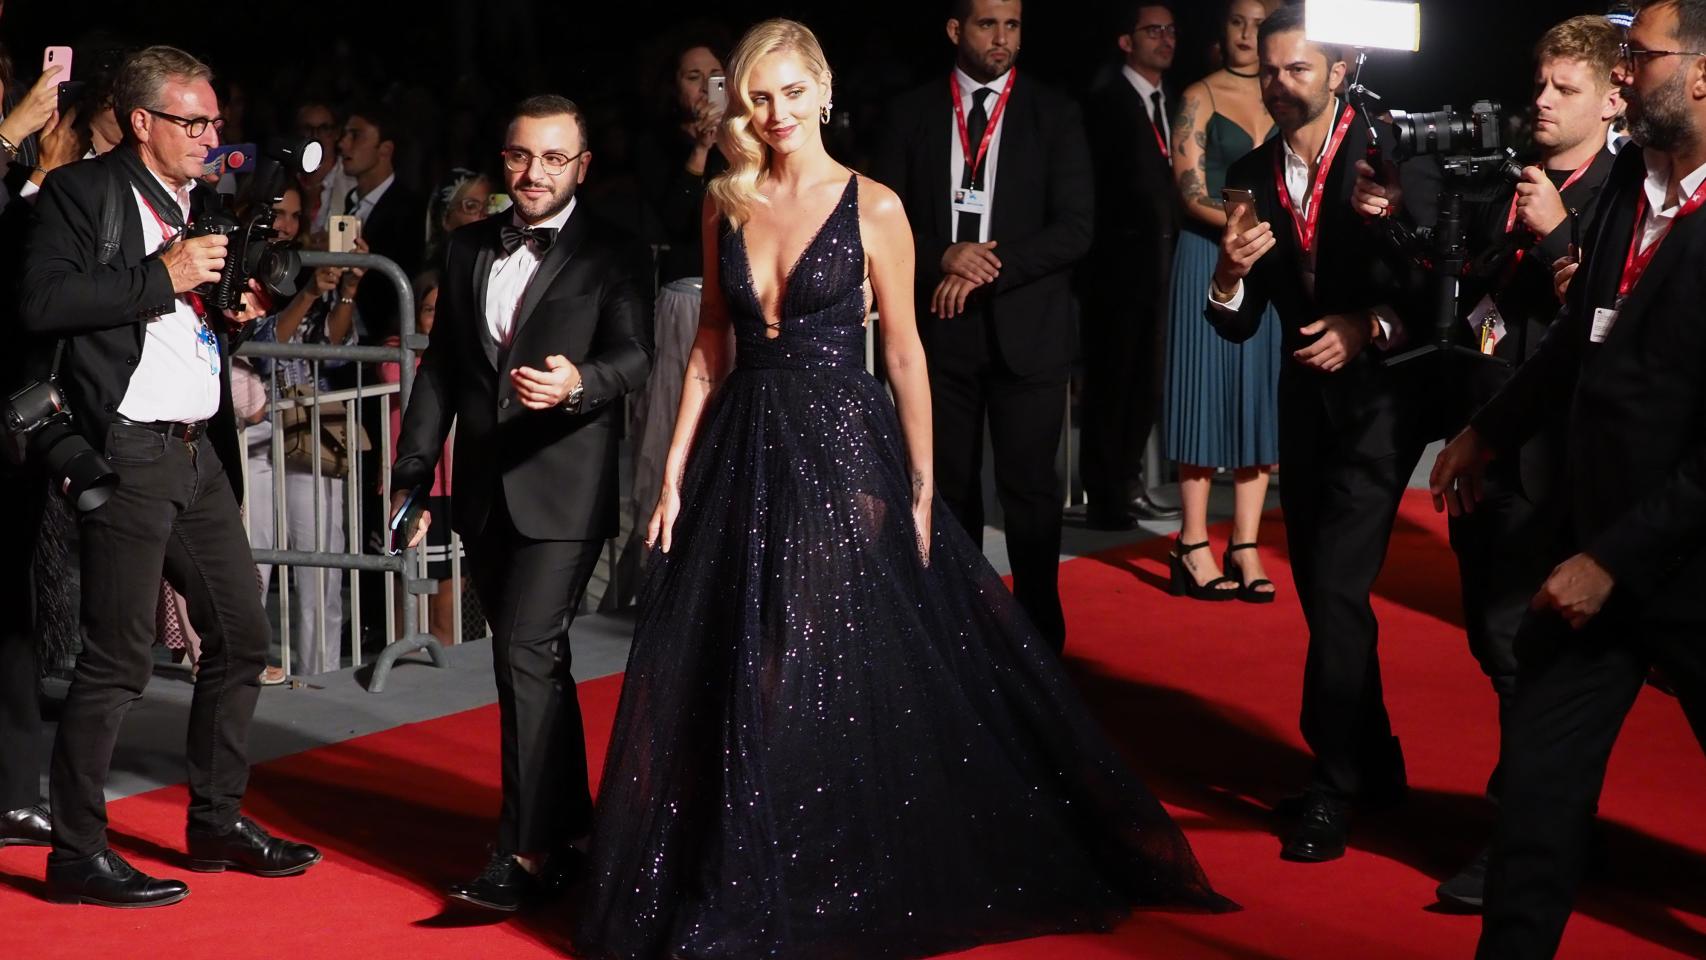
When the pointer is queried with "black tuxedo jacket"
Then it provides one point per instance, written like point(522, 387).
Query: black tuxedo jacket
point(1371, 405)
point(555, 470)
point(1635, 460)
point(1137, 207)
point(1042, 208)
point(396, 228)
point(102, 311)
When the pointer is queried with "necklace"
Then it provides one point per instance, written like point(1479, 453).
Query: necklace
point(1247, 76)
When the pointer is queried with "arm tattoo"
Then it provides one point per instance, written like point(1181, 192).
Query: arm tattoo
point(917, 482)
point(1182, 125)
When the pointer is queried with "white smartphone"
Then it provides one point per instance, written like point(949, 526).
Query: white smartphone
point(344, 231)
point(717, 94)
point(57, 57)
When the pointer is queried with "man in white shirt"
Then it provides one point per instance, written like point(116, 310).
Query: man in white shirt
point(145, 375)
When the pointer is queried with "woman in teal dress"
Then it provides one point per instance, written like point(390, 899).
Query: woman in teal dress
point(1221, 398)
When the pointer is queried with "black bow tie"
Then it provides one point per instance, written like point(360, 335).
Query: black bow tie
point(512, 237)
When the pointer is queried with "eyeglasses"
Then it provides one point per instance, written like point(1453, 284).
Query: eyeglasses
point(471, 205)
point(317, 130)
point(194, 126)
point(1632, 56)
point(1156, 31)
point(516, 161)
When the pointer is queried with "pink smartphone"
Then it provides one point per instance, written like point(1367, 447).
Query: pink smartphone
point(57, 57)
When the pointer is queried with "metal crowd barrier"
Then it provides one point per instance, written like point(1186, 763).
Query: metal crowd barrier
point(410, 566)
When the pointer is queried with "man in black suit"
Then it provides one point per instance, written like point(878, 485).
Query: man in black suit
point(393, 218)
point(1504, 548)
point(995, 175)
point(541, 329)
point(1129, 271)
point(1625, 358)
point(1349, 431)
point(146, 375)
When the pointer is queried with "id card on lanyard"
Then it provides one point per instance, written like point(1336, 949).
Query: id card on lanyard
point(1307, 224)
point(1636, 262)
point(968, 199)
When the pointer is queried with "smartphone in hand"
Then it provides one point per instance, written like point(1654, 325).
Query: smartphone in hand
point(405, 522)
point(1240, 208)
point(57, 57)
point(345, 229)
point(717, 94)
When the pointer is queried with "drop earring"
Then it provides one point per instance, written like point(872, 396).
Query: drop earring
point(824, 113)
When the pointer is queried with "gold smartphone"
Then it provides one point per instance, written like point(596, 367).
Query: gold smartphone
point(1240, 208)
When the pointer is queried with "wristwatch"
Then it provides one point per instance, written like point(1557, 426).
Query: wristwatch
point(7, 147)
point(572, 402)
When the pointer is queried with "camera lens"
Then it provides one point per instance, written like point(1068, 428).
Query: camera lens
point(81, 475)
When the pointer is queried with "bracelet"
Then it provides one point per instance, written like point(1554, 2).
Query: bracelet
point(10, 148)
point(1220, 296)
point(346, 301)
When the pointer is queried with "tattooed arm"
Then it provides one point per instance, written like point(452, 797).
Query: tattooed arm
point(1190, 157)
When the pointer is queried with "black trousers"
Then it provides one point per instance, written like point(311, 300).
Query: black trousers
point(969, 382)
point(173, 511)
point(1573, 691)
point(531, 591)
point(1339, 509)
point(1122, 372)
point(1503, 556)
point(22, 754)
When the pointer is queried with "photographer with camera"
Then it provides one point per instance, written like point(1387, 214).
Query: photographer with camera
point(1350, 433)
point(111, 272)
point(1507, 304)
point(1625, 359)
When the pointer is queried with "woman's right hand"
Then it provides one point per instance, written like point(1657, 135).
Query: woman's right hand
point(326, 280)
point(659, 531)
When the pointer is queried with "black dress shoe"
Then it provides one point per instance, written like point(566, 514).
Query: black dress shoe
point(1319, 834)
point(106, 880)
point(503, 886)
point(26, 827)
point(1115, 519)
point(1147, 509)
point(248, 848)
point(1467, 889)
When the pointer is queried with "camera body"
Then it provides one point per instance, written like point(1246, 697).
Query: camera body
point(1448, 132)
point(38, 429)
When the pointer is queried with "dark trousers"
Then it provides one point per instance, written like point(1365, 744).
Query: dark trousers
point(1339, 509)
point(1503, 556)
point(969, 382)
point(173, 511)
point(21, 750)
point(1122, 373)
point(1573, 691)
point(531, 591)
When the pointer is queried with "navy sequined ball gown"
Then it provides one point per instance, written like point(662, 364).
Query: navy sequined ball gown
point(826, 748)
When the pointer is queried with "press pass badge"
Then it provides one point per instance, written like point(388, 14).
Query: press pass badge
point(1488, 325)
point(967, 200)
point(1603, 320)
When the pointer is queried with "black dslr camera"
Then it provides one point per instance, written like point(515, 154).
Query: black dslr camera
point(38, 429)
point(253, 253)
point(1470, 145)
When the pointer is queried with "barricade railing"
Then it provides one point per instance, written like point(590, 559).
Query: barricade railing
point(409, 567)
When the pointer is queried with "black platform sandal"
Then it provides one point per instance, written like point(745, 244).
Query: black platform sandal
point(1247, 592)
point(1183, 584)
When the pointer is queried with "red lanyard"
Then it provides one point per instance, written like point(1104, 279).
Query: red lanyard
point(988, 132)
point(1160, 141)
point(1510, 220)
point(1306, 225)
point(167, 234)
point(1638, 260)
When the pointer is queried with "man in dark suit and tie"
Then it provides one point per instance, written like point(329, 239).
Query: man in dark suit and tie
point(1129, 270)
point(995, 175)
point(541, 329)
point(393, 217)
point(1626, 358)
point(1350, 430)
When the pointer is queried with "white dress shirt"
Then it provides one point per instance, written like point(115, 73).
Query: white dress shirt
point(957, 153)
point(333, 190)
point(1299, 186)
point(177, 377)
point(364, 203)
point(1146, 90)
point(1659, 218)
point(511, 274)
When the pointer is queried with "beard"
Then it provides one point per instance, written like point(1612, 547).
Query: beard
point(1661, 120)
point(534, 211)
point(1293, 112)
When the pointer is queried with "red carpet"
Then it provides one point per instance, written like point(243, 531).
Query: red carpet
point(1204, 697)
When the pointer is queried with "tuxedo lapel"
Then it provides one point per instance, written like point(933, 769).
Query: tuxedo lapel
point(562, 250)
point(483, 256)
point(1673, 251)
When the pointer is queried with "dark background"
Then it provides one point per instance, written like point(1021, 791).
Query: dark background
point(453, 67)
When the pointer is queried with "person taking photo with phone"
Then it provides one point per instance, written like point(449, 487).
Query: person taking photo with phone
point(1350, 426)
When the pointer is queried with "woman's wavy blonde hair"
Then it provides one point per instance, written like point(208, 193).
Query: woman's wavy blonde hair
point(736, 190)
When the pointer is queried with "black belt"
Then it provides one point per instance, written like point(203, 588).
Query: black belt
point(177, 429)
